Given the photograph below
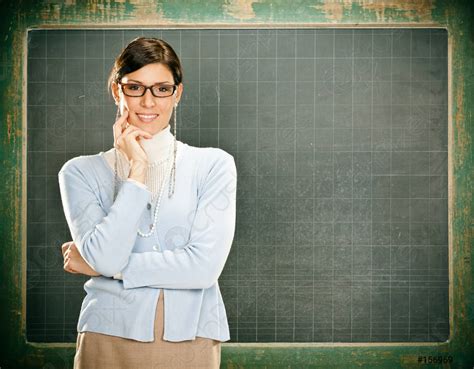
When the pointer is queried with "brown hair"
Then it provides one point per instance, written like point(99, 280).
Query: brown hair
point(143, 51)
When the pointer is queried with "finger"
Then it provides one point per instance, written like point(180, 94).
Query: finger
point(131, 128)
point(122, 118)
point(64, 248)
point(68, 255)
point(134, 132)
point(131, 134)
point(119, 125)
point(69, 267)
point(71, 254)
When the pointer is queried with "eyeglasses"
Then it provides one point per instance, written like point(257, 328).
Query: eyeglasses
point(158, 90)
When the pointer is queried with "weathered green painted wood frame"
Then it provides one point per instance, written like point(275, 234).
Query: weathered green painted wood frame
point(456, 16)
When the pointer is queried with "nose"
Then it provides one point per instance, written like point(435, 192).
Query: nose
point(148, 100)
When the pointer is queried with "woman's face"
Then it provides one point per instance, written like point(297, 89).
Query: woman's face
point(148, 112)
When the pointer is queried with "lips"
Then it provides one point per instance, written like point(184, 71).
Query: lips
point(147, 118)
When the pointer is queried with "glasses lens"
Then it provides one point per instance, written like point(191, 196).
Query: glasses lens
point(133, 89)
point(163, 90)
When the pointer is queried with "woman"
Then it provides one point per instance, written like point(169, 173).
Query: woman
point(153, 300)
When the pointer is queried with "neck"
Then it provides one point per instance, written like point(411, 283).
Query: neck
point(157, 148)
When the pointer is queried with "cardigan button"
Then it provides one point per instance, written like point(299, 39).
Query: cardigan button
point(148, 206)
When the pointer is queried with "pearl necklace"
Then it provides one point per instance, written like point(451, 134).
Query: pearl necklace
point(158, 199)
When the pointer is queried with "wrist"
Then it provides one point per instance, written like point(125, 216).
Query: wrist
point(138, 171)
point(138, 163)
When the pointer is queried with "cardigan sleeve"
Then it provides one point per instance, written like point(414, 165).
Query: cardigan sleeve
point(200, 262)
point(104, 239)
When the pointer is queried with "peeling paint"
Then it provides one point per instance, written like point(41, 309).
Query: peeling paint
point(149, 11)
point(421, 10)
point(462, 139)
point(459, 117)
point(240, 9)
point(9, 127)
point(103, 12)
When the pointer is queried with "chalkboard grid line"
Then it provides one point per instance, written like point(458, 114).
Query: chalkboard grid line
point(46, 210)
point(294, 195)
point(247, 105)
point(276, 75)
point(180, 120)
point(352, 184)
point(409, 200)
point(256, 173)
point(333, 176)
point(390, 201)
point(218, 88)
point(429, 186)
point(199, 90)
point(35, 57)
point(314, 154)
point(238, 124)
point(84, 82)
point(64, 158)
point(275, 258)
point(104, 118)
point(371, 201)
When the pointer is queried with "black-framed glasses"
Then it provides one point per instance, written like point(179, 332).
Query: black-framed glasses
point(138, 90)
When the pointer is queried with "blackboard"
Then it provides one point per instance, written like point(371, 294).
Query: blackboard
point(340, 140)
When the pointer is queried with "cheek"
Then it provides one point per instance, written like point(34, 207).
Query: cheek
point(129, 104)
point(166, 107)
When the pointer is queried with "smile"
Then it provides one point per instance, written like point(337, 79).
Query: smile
point(147, 118)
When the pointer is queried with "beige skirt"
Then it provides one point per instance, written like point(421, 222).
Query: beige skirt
point(100, 351)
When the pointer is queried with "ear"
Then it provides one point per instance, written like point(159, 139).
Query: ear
point(115, 93)
point(179, 92)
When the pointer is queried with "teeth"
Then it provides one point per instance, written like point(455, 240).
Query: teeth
point(147, 116)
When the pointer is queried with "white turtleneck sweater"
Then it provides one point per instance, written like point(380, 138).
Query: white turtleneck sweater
point(159, 150)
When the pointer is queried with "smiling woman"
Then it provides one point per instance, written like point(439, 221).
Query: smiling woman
point(145, 110)
point(153, 300)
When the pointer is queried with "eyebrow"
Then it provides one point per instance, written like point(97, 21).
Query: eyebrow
point(157, 83)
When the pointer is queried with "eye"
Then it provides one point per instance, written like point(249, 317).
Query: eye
point(165, 89)
point(133, 87)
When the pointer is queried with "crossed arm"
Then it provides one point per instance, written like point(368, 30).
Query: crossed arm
point(103, 242)
point(73, 262)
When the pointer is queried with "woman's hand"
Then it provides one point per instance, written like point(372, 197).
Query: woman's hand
point(73, 261)
point(126, 140)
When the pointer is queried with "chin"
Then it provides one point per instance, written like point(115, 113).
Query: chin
point(151, 128)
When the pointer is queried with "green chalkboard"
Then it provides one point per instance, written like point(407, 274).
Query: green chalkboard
point(340, 140)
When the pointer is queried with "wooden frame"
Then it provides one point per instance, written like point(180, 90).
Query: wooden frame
point(456, 16)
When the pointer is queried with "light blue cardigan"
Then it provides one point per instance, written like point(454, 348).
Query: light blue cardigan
point(194, 233)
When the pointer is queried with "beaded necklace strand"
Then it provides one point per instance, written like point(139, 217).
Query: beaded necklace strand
point(154, 184)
